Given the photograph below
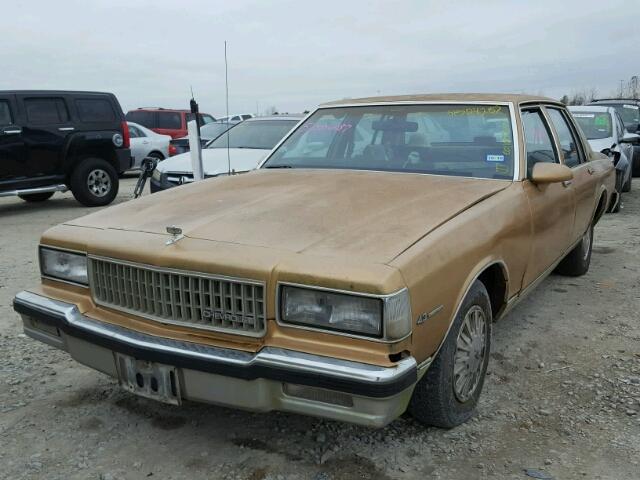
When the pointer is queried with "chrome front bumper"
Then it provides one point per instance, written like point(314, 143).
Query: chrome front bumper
point(271, 379)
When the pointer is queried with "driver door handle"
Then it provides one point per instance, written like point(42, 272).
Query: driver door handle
point(567, 183)
point(11, 131)
point(590, 170)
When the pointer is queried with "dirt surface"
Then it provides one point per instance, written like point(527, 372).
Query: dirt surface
point(562, 397)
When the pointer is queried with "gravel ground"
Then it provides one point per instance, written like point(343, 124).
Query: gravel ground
point(562, 397)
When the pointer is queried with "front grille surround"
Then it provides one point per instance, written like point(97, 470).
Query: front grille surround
point(179, 297)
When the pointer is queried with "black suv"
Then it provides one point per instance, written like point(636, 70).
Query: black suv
point(52, 141)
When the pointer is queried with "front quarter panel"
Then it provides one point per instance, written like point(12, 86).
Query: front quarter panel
point(440, 268)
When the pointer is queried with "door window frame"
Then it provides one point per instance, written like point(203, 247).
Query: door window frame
point(12, 116)
point(582, 154)
point(546, 121)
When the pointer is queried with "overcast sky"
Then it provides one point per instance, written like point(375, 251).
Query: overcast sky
point(296, 54)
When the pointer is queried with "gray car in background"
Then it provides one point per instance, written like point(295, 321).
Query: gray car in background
point(629, 111)
point(605, 132)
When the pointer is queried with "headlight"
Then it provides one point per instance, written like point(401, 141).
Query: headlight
point(63, 265)
point(387, 317)
point(157, 175)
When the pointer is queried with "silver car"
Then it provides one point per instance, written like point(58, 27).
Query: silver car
point(605, 132)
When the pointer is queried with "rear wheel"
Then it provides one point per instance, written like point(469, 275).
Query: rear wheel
point(577, 261)
point(448, 393)
point(627, 185)
point(635, 164)
point(94, 182)
point(36, 197)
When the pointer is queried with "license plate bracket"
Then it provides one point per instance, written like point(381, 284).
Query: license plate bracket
point(149, 379)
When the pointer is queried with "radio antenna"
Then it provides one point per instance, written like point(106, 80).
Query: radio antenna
point(226, 85)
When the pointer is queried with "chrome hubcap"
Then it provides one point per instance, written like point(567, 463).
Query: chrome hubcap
point(586, 243)
point(99, 182)
point(471, 349)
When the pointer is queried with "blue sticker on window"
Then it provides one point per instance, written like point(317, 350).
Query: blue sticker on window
point(495, 158)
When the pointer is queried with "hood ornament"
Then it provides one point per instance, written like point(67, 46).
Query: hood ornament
point(176, 234)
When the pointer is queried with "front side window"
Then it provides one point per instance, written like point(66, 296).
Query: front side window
point(538, 140)
point(135, 132)
point(463, 140)
point(41, 111)
point(169, 120)
point(95, 110)
point(5, 113)
point(566, 137)
point(261, 134)
point(594, 125)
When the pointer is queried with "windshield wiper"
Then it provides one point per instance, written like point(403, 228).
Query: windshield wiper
point(279, 166)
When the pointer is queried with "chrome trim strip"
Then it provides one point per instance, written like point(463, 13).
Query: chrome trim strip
point(28, 191)
point(382, 297)
point(268, 356)
point(188, 273)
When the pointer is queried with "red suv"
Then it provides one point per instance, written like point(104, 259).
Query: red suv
point(165, 120)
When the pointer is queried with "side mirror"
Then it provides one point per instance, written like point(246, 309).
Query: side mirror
point(550, 173)
point(629, 138)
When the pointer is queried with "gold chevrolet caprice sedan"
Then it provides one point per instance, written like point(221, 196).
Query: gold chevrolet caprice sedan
point(355, 275)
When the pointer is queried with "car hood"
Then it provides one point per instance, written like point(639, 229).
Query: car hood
point(215, 161)
point(600, 144)
point(333, 213)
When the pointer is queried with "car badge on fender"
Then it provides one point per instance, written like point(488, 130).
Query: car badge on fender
point(176, 234)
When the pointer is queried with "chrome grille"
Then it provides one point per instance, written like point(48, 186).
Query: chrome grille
point(179, 297)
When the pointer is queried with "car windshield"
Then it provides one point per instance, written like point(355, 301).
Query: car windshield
point(630, 115)
point(595, 125)
point(472, 140)
point(258, 134)
point(211, 131)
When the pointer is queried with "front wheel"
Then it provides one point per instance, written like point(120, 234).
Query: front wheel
point(577, 261)
point(94, 182)
point(448, 393)
point(36, 197)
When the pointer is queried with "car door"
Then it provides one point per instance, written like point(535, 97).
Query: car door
point(45, 131)
point(12, 159)
point(552, 205)
point(573, 153)
point(139, 145)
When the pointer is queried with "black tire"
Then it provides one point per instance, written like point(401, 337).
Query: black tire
point(618, 204)
point(157, 155)
point(101, 175)
point(577, 261)
point(435, 400)
point(635, 164)
point(36, 197)
point(627, 185)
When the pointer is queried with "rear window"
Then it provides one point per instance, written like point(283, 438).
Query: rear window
point(95, 110)
point(146, 119)
point(170, 120)
point(474, 140)
point(41, 111)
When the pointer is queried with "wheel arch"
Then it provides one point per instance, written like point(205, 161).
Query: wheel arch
point(601, 206)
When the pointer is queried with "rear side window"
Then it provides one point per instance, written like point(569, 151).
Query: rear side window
point(5, 113)
point(95, 110)
point(135, 132)
point(146, 119)
point(170, 120)
point(538, 143)
point(41, 111)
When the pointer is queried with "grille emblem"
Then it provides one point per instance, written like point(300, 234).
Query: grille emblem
point(176, 234)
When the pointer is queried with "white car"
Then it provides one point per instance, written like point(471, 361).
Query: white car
point(241, 148)
point(605, 132)
point(235, 118)
point(147, 143)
